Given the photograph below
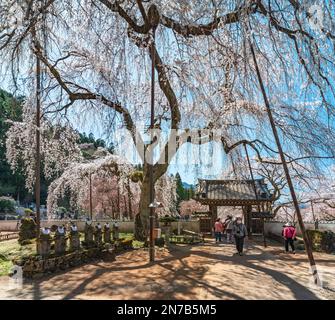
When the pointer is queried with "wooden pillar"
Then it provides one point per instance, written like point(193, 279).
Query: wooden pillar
point(247, 218)
point(263, 230)
point(214, 211)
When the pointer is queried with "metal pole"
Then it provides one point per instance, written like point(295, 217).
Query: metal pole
point(151, 173)
point(286, 170)
point(38, 150)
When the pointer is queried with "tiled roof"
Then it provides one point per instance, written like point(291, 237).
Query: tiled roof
point(232, 190)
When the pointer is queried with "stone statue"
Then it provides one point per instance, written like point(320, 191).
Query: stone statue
point(44, 242)
point(107, 233)
point(98, 235)
point(115, 231)
point(74, 238)
point(88, 234)
point(60, 241)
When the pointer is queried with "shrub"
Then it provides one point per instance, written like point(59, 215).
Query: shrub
point(28, 212)
point(167, 219)
point(7, 204)
point(322, 241)
point(328, 241)
point(159, 242)
point(126, 243)
point(27, 230)
point(136, 176)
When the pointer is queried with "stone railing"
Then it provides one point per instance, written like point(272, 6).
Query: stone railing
point(59, 249)
point(33, 266)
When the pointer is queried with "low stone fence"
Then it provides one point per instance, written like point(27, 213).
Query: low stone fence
point(33, 266)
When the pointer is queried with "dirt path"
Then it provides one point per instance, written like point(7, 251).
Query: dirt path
point(186, 272)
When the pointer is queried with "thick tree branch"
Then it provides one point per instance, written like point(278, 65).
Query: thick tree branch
point(87, 95)
point(207, 29)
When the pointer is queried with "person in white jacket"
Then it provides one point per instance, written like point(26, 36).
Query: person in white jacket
point(229, 228)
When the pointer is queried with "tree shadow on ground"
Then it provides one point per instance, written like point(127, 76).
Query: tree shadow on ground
point(177, 275)
point(300, 292)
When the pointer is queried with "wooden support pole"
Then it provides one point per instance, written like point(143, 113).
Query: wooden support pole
point(38, 150)
point(286, 170)
point(151, 166)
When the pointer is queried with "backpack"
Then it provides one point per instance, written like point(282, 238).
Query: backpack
point(290, 232)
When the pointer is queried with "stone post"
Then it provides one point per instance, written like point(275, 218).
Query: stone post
point(44, 242)
point(115, 231)
point(74, 238)
point(98, 235)
point(107, 233)
point(60, 241)
point(179, 226)
point(88, 234)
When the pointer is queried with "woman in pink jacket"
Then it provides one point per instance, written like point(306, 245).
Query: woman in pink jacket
point(218, 229)
point(289, 234)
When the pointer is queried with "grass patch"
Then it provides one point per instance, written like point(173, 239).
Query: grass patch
point(136, 244)
point(11, 249)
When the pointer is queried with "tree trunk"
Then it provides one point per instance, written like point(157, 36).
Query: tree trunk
point(142, 219)
point(130, 213)
point(118, 200)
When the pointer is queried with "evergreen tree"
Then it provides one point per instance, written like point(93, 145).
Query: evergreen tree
point(181, 192)
point(11, 184)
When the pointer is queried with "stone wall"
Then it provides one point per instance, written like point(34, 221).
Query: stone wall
point(9, 225)
point(190, 225)
point(276, 227)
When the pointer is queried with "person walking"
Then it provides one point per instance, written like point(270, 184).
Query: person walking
point(229, 228)
point(289, 234)
point(240, 233)
point(218, 228)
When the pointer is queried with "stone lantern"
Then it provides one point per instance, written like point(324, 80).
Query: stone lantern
point(44, 242)
point(74, 238)
point(60, 241)
point(107, 233)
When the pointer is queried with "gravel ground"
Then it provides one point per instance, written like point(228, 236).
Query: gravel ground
point(206, 271)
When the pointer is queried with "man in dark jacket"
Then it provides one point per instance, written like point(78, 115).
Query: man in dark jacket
point(239, 233)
